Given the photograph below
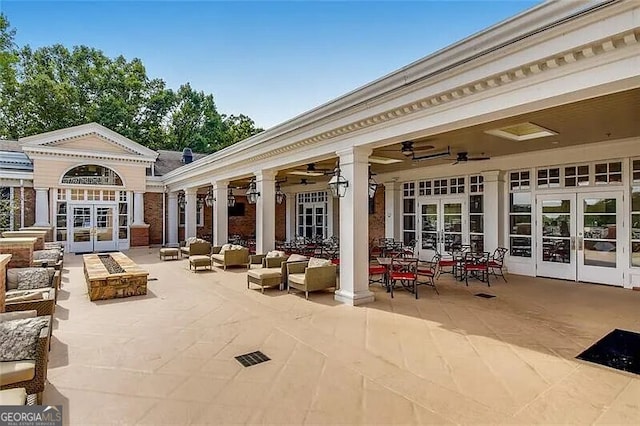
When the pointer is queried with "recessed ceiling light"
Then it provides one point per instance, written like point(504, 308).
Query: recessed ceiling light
point(384, 160)
point(521, 132)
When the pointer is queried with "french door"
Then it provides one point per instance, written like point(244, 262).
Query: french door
point(93, 228)
point(312, 220)
point(442, 224)
point(579, 237)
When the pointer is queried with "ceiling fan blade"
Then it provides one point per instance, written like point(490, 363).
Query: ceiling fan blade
point(306, 173)
point(433, 156)
point(479, 158)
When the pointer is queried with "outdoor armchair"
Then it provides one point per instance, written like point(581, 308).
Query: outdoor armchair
point(270, 274)
point(304, 276)
point(185, 249)
point(30, 374)
point(232, 256)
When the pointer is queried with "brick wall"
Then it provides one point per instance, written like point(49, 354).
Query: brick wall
point(139, 236)
point(281, 222)
point(243, 225)
point(29, 206)
point(153, 216)
point(4, 260)
point(376, 220)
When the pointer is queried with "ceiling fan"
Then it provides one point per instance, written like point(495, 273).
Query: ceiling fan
point(410, 150)
point(463, 157)
point(311, 170)
point(305, 181)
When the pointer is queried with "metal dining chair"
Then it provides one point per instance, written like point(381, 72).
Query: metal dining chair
point(406, 271)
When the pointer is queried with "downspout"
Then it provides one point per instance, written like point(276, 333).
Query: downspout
point(164, 215)
point(21, 203)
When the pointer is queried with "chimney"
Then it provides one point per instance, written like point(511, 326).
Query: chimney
point(187, 155)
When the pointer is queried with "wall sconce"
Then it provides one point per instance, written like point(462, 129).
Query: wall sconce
point(181, 200)
point(280, 196)
point(199, 202)
point(373, 185)
point(209, 199)
point(252, 193)
point(231, 200)
point(338, 184)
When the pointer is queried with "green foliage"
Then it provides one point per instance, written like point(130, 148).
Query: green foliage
point(53, 87)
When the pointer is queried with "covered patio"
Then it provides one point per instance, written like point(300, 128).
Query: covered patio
point(168, 357)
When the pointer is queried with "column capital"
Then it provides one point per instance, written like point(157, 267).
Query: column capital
point(493, 176)
point(265, 174)
point(172, 194)
point(218, 184)
point(356, 154)
point(191, 191)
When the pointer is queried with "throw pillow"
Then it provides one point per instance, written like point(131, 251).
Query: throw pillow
point(297, 258)
point(30, 278)
point(275, 253)
point(46, 255)
point(19, 338)
point(225, 247)
point(236, 247)
point(316, 262)
point(12, 278)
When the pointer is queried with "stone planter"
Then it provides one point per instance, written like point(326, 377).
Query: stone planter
point(103, 284)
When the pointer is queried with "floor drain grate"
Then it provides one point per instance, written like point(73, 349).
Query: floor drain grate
point(485, 295)
point(619, 349)
point(252, 358)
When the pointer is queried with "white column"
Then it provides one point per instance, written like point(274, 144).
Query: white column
point(354, 228)
point(392, 212)
point(290, 225)
point(190, 212)
point(266, 211)
point(172, 219)
point(138, 208)
point(493, 200)
point(42, 207)
point(220, 213)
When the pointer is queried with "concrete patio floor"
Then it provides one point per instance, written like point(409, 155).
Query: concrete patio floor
point(168, 357)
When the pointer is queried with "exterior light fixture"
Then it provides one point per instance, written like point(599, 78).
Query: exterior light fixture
point(280, 196)
point(338, 184)
point(231, 200)
point(252, 193)
point(199, 202)
point(373, 185)
point(209, 198)
point(181, 200)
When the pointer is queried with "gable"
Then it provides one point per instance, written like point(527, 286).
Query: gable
point(93, 143)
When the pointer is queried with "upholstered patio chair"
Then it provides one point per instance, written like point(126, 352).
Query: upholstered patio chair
point(16, 292)
point(306, 276)
point(270, 274)
point(230, 255)
point(185, 249)
point(30, 374)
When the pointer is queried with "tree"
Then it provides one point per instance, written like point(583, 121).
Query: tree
point(52, 87)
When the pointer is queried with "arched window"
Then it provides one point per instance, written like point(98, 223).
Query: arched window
point(92, 174)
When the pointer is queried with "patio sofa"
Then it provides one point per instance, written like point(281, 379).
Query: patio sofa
point(230, 255)
point(29, 373)
point(315, 274)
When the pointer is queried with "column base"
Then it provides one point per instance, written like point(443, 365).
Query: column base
point(354, 299)
point(139, 235)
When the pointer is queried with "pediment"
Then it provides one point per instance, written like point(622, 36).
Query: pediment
point(89, 138)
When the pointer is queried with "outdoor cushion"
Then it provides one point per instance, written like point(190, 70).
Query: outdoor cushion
point(236, 247)
point(263, 273)
point(316, 262)
point(297, 258)
point(16, 371)
point(12, 276)
point(26, 296)
point(199, 259)
point(30, 278)
point(51, 254)
point(297, 278)
point(19, 338)
point(219, 257)
point(225, 247)
point(275, 253)
point(16, 396)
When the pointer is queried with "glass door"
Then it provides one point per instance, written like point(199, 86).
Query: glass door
point(93, 228)
point(556, 236)
point(82, 231)
point(599, 245)
point(104, 229)
point(442, 226)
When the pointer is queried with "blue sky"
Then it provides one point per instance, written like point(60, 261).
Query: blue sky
point(269, 60)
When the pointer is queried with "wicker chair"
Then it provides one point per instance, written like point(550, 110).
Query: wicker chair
point(52, 287)
point(185, 249)
point(301, 277)
point(233, 257)
point(28, 374)
point(270, 274)
point(199, 255)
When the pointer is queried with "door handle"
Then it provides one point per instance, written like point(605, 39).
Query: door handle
point(580, 243)
point(573, 243)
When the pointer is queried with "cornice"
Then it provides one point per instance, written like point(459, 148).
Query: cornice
point(38, 152)
point(593, 52)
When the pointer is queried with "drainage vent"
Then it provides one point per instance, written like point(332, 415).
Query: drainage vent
point(252, 358)
point(485, 295)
